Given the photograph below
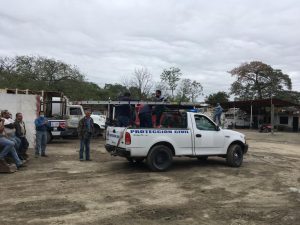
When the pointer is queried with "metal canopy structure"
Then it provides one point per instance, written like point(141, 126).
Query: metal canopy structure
point(257, 104)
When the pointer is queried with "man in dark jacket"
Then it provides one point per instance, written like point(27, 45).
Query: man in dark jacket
point(21, 134)
point(159, 109)
point(85, 130)
point(145, 116)
point(124, 112)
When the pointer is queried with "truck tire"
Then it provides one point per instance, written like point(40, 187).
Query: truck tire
point(159, 158)
point(235, 155)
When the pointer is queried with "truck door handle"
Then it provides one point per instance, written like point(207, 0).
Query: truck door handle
point(198, 135)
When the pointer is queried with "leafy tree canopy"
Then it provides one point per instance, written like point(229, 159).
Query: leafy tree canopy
point(218, 97)
point(171, 78)
point(257, 80)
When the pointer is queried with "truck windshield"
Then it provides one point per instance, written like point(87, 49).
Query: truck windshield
point(75, 112)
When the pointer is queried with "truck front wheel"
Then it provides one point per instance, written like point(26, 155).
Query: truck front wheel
point(159, 158)
point(234, 156)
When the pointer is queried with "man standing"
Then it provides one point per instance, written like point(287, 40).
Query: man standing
point(85, 130)
point(123, 112)
point(41, 127)
point(218, 113)
point(145, 116)
point(159, 109)
point(21, 134)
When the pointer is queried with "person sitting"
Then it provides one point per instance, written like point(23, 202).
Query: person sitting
point(21, 134)
point(8, 147)
point(10, 130)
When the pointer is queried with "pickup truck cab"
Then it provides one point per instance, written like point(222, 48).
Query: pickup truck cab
point(181, 134)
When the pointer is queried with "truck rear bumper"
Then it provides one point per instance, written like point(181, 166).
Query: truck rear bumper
point(117, 151)
point(69, 133)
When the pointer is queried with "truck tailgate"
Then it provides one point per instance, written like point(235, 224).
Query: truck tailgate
point(114, 136)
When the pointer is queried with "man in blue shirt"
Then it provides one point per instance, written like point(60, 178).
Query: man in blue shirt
point(41, 127)
point(217, 114)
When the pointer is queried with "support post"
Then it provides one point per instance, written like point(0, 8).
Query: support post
point(251, 117)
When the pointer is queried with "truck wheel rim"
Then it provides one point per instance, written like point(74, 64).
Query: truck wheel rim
point(237, 156)
point(160, 159)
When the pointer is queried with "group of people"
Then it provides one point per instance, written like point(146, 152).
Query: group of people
point(126, 114)
point(13, 141)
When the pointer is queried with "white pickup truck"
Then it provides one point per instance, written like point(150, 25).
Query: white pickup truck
point(181, 134)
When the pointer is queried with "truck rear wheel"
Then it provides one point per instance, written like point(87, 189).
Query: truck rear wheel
point(235, 155)
point(159, 158)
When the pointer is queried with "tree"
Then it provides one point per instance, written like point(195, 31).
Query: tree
point(171, 78)
point(140, 83)
point(218, 97)
point(290, 96)
point(41, 73)
point(256, 80)
point(189, 90)
point(114, 91)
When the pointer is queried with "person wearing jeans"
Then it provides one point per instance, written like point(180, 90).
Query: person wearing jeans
point(7, 148)
point(41, 127)
point(85, 130)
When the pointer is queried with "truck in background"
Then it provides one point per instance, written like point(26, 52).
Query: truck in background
point(236, 118)
point(64, 118)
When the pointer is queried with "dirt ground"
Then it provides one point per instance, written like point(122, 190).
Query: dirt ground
point(108, 190)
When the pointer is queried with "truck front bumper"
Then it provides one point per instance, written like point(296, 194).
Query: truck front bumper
point(117, 151)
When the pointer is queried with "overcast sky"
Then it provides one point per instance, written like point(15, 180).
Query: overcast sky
point(109, 39)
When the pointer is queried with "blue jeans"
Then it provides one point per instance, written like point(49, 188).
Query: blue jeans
point(217, 118)
point(41, 141)
point(85, 145)
point(8, 147)
point(17, 142)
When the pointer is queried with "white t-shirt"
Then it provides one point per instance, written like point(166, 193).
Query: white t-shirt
point(9, 131)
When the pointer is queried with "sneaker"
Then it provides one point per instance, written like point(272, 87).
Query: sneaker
point(81, 160)
point(44, 155)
